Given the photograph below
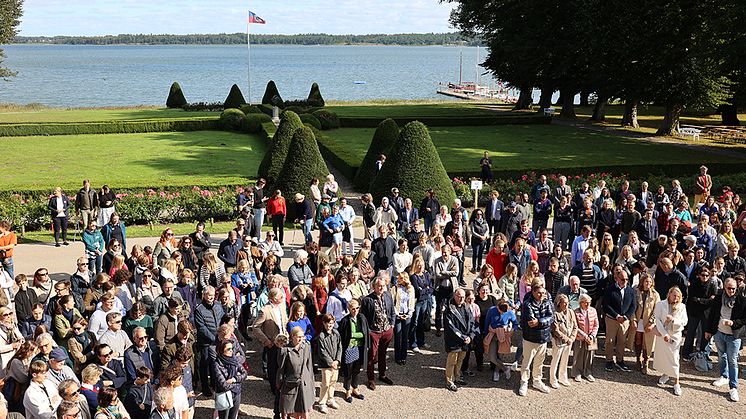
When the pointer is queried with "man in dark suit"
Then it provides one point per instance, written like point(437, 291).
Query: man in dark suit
point(429, 208)
point(647, 227)
point(407, 216)
point(620, 305)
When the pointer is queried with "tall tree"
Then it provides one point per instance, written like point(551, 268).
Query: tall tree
point(10, 15)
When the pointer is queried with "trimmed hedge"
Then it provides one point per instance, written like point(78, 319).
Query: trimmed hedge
point(311, 120)
point(176, 97)
point(204, 106)
point(329, 120)
point(300, 106)
point(272, 96)
point(314, 96)
point(109, 127)
point(383, 139)
point(249, 109)
point(252, 123)
point(304, 162)
point(414, 167)
point(232, 119)
point(341, 165)
point(235, 98)
point(449, 121)
point(274, 160)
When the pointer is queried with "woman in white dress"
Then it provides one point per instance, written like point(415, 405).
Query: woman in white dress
point(670, 320)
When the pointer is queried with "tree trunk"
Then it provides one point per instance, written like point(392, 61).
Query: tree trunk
point(560, 99)
point(545, 100)
point(524, 99)
point(671, 120)
point(584, 94)
point(568, 108)
point(599, 111)
point(629, 119)
point(729, 114)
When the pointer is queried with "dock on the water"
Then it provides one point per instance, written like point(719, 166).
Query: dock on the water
point(458, 94)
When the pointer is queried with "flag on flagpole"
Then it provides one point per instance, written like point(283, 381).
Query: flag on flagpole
point(255, 19)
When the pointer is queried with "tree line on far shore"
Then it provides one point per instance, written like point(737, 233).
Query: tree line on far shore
point(452, 38)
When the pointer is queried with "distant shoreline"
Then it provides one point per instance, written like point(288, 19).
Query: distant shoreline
point(239, 38)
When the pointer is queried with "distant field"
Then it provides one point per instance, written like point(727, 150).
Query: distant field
point(19, 114)
point(527, 147)
point(385, 110)
point(131, 160)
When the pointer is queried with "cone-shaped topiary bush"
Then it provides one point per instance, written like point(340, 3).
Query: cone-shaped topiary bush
point(176, 97)
point(235, 98)
point(304, 162)
point(272, 95)
point(273, 161)
point(414, 166)
point(314, 96)
point(384, 138)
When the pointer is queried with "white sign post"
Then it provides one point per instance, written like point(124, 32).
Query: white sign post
point(476, 186)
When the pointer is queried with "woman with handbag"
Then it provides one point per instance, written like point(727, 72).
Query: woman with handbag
point(295, 376)
point(585, 341)
point(355, 335)
point(229, 374)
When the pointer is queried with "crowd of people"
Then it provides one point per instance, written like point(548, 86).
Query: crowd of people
point(146, 331)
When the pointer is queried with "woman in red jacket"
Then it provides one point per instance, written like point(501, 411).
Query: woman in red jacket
point(277, 211)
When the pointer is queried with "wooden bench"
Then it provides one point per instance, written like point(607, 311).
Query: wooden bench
point(549, 111)
point(690, 132)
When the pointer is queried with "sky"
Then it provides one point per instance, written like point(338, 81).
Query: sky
point(112, 17)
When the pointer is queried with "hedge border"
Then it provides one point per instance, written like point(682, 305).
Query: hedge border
point(108, 127)
point(444, 121)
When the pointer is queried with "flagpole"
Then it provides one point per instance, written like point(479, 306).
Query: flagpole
point(248, 48)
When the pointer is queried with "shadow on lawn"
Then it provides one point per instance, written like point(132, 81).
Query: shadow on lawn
point(209, 153)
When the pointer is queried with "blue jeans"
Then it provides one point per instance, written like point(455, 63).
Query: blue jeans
point(307, 227)
point(476, 254)
point(258, 221)
point(95, 263)
point(401, 337)
point(422, 310)
point(8, 267)
point(728, 348)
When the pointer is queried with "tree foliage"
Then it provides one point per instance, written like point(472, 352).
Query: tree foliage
point(384, 138)
point(303, 163)
point(314, 96)
point(235, 98)
point(414, 167)
point(273, 161)
point(10, 17)
point(272, 95)
point(176, 97)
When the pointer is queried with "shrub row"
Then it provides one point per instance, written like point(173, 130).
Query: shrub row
point(448, 121)
point(204, 106)
point(110, 127)
point(235, 120)
point(332, 157)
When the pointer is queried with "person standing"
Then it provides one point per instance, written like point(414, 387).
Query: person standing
point(369, 216)
point(446, 282)
point(347, 213)
point(329, 356)
point(114, 229)
point(429, 208)
point(585, 341)
point(259, 206)
point(228, 374)
point(486, 165)
point(58, 206)
point(700, 296)
point(95, 247)
point(295, 376)
point(207, 317)
point(277, 210)
point(725, 321)
point(8, 242)
point(270, 323)
point(355, 337)
point(228, 251)
point(564, 332)
point(86, 203)
point(620, 304)
point(480, 239)
point(106, 201)
point(670, 320)
point(493, 212)
point(644, 336)
point(460, 330)
point(378, 309)
point(703, 184)
point(537, 318)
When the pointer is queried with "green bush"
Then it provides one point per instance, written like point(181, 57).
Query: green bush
point(450, 121)
point(311, 120)
point(232, 119)
point(235, 98)
point(314, 96)
point(109, 127)
point(273, 161)
point(272, 95)
point(329, 120)
point(414, 166)
point(304, 162)
point(299, 107)
point(248, 109)
point(176, 97)
point(383, 139)
point(252, 123)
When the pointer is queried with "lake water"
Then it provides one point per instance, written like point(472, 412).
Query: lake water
point(73, 75)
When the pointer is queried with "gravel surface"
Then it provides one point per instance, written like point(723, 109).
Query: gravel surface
point(419, 391)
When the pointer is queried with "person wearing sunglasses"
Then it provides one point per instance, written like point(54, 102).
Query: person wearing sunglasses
point(112, 369)
point(165, 247)
point(725, 321)
point(115, 337)
point(74, 404)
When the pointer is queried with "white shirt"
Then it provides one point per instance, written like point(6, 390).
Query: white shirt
point(181, 401)
point(273, 247)
point(118, 341)
point(97, 323)
point(60, 207)
point(41, 404)
point(347, 213)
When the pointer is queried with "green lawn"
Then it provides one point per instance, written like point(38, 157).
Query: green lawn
point(383, 110)
point(650, 117)
point(131, 160)
point(527, 147)
point(17, 115)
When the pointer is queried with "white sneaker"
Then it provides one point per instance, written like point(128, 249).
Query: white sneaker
point(578, 378)
point(721, 381)
point(507, 373)
point(323, 409)
point(333, 404)
point(554, 384)
point(496, 375)
point(539, 385)
point(565, 383)
point(416, 350)
point(523, 389)
point(590, 379)
point(677, 390)
point(663, 380)
point(733, 394)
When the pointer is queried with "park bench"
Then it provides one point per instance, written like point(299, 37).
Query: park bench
point(549, 111)
point(690, 132)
